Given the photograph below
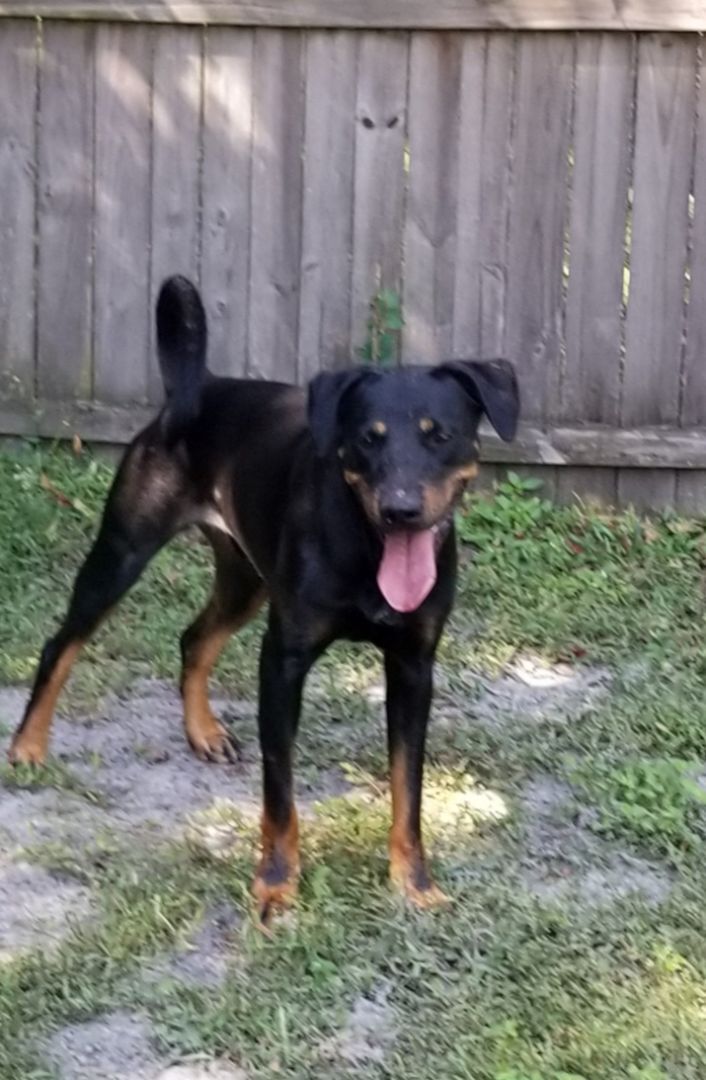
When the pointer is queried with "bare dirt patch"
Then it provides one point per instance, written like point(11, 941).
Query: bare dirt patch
point(203, 959)
point(531, 691)
point(367, 1033)
point(133, 755)
point(120, 1046)
point(563, 859)
point(117, 1046)
point(37, 909)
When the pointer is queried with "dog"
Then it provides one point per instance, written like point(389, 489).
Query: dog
point(338, 506)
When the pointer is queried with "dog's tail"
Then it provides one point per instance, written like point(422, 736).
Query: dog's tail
point(181, 347)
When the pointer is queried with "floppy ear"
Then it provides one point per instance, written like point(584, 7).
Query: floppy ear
point(491, 384)
point(326, 391)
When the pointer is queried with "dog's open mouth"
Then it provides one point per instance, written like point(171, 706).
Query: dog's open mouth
point(407, 571)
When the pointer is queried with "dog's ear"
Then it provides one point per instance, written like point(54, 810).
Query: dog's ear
point(326, 392)
point(492, 385)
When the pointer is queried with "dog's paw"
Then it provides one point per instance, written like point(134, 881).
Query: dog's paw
point(25, 751)
point(430, 898)
point(214, 743)
point(272, 899)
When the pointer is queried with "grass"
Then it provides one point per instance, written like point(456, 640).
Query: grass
point(506, 985)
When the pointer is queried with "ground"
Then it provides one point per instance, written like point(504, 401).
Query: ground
point(564, 803)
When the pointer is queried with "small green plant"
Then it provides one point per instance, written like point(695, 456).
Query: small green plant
point(506, 520)
point(384, 325)
point(655, 801)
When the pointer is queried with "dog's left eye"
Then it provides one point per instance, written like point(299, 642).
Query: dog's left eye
point(371, 437)
point(437, 435)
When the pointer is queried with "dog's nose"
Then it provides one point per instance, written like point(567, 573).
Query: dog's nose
point(401, 508)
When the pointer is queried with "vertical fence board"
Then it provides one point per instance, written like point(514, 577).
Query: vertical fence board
point(694, 397)
point(65, 212)
point(663, 145)
point(591, 385)
point(227, 145)
point(536, 244)
point(122, 311)
point(18, 75)
point(597, 486)
point(647, 489)
point(324, 320)
point(276, 204)
point(381, 120)
point(176, 157)
point(691, 492)
point(483, 173)
point(430, 220)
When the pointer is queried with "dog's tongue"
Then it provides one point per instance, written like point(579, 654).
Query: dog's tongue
point(408, 569)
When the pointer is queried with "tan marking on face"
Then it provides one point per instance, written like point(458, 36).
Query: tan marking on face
point(439, 498)
point(370, 499)
point(378, 427)
point(467, 472)
point(426, 424)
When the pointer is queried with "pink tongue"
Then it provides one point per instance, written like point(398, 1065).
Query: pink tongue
point(408, 569)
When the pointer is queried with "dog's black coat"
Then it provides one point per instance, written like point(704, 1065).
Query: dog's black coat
point(297, 497)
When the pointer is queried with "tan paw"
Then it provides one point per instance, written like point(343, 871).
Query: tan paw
point(427, 899)
point(271, 899)
point(27, 751)
point(213, 742)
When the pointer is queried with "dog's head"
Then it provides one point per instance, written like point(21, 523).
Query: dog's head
point(406, 442)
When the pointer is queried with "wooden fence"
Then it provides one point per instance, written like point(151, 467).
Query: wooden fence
point(539, 195)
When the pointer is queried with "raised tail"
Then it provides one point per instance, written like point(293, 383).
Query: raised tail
point(181, 347)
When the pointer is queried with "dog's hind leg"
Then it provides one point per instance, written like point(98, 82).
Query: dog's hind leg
point(141, 515)
point(237, 596)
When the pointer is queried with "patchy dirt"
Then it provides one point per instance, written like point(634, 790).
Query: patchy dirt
point(203, 959)
point(117, 1046)
point(532, 692)
point(120, 1046)
point(37, 908)
point(367, 1033)
point(562, 858)
point(134, 757)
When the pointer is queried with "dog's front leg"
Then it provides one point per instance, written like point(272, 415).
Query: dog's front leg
point(283, 669)
point(409, 690)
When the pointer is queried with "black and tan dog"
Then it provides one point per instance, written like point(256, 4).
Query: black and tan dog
point(339, 508)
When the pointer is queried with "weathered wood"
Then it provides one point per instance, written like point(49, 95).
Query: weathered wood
point(663, 156)
point(176, 154)
point(18, 92)
point(276, 204)
point(480, 282)
point(691, 492)
point(591, 385)
point(357, 14)
point(536, 246)
point(694, 375)
point(430, 219)
point(586, 484)
point(566, 448)
point(647, 489)
point(65, 212)
point(381, 120)
point(648, 447)
point(327, 227)
point(227, 145)
point(122, 227)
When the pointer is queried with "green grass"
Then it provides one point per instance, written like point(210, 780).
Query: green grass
point(506, 984)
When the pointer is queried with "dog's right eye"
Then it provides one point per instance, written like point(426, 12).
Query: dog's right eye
point(373, 436)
